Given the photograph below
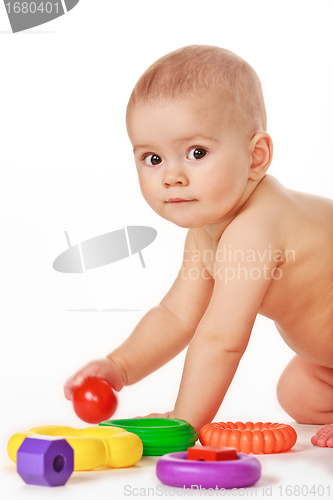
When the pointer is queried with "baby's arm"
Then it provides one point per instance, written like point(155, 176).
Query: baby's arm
point(161, 334)
point(224, 331)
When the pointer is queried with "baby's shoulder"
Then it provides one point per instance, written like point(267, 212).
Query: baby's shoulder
point(281, 215)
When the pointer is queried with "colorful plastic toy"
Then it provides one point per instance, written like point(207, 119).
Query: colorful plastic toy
point(211, 453)
point(175, 469)
point(249, 437)
point(45, 462)
point(159, 435)
point(94, 400)
point(93, 446)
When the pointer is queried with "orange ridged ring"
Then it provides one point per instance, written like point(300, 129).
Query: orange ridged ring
point(250, 437)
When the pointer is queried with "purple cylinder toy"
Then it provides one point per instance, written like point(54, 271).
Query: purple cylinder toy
point(175, 470)
point(45, 461)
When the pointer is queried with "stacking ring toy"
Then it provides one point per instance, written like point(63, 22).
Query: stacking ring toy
point(249, 437)
point(176, 470)
point(159, 435)
point(93, 446)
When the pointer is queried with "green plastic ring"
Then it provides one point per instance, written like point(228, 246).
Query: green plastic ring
point(159, 435)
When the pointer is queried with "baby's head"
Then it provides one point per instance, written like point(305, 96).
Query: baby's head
point(204, 72)
point(197, 106)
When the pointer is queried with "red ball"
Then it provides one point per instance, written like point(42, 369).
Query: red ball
point(94, 400)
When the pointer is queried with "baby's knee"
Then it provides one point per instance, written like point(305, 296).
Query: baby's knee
point(287, 393)
point(303, 393)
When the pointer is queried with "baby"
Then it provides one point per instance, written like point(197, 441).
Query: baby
point(197, 123)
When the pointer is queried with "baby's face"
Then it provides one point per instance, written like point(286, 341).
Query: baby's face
point(192, 159)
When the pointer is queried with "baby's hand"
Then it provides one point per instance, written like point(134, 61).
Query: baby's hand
point(168, 414)
point(104, 368)
point(324, 436)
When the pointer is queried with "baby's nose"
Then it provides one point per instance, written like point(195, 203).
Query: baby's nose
point(173, 176)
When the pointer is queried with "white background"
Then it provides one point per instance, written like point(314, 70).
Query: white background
point(66, 164)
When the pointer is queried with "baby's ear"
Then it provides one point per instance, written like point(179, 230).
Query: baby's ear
point(261, 148)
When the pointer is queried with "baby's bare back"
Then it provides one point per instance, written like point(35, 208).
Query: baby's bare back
point(300, 298)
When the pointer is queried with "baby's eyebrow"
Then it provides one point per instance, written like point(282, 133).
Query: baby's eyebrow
point(142, 146)
point(181, 139)
point(197, 136)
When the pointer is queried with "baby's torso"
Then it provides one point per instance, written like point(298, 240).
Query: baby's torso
point(300, 298)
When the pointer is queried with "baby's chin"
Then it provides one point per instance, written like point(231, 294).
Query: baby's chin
point(186, 224)
point(186, 221)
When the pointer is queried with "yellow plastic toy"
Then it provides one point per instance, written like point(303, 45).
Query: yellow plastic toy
point(93, 446)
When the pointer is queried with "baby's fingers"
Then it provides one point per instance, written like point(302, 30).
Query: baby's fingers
point(71, 384)
point(91, 370)
point(157, 415)
point(103, 368)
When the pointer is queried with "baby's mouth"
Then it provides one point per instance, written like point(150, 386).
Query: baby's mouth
point(178, 200)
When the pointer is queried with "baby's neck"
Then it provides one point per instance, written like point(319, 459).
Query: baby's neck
point(216, 229)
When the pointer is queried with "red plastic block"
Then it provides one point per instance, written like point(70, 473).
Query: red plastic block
point(211, 453)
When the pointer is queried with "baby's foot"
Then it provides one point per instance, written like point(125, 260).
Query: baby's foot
point(324, 436)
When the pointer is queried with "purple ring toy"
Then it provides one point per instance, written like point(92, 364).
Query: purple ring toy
point(175, 470)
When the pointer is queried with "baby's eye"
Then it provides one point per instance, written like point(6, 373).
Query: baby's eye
point(197, 153)
point(152, 159)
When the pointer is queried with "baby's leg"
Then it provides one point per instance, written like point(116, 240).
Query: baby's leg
point(305, 392)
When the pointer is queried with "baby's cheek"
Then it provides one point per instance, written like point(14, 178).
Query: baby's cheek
point(150, 195)
point(145, 189)
point(220, 190)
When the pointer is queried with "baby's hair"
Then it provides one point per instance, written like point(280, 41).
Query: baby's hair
point(201, 71)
